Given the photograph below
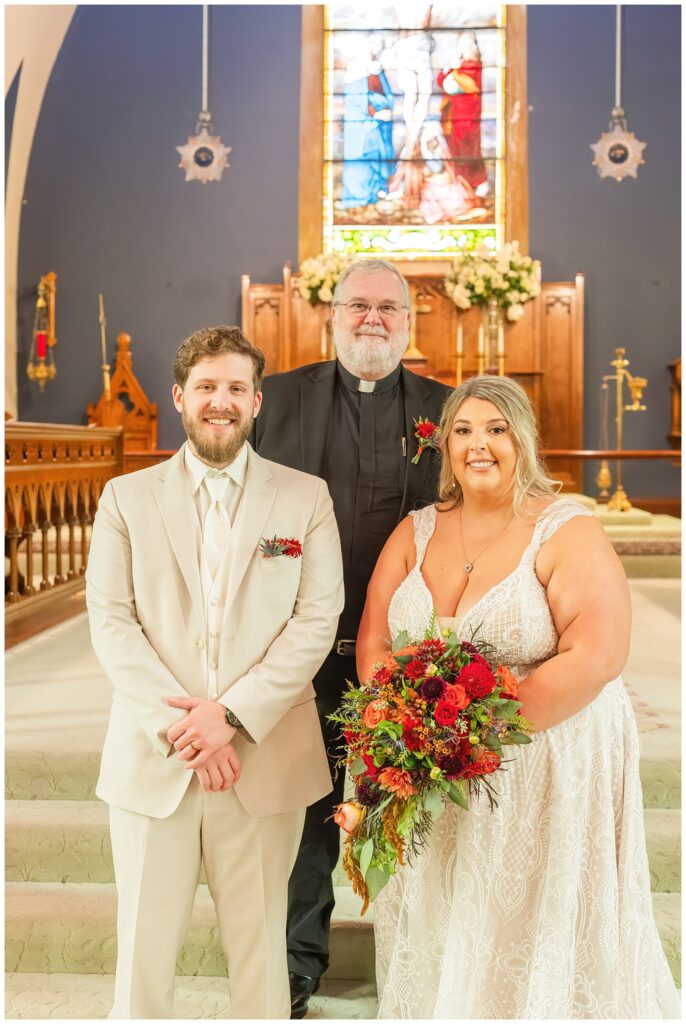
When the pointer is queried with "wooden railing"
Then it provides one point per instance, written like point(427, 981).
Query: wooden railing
point(54, 476)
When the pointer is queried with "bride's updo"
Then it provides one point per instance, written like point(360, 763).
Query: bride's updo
point(510, 398)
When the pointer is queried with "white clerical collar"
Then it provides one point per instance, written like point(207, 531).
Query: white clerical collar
point(197, 469)
point(367, 386)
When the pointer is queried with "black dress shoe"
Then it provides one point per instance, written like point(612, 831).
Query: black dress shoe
point(302, 987)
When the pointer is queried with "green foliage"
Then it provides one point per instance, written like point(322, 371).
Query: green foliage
point(458, 793)
point(506, 708)
point(365, 857)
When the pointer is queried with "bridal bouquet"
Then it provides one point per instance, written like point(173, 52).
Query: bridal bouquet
point(318, 276)
point(505, 276)
point(430, 724)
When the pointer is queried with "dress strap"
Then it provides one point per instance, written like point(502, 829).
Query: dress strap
point(556, 515)
point(424, 523)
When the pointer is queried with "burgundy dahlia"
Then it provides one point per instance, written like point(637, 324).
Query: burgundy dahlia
point(432, 689)
point(367, 795)
point(451, 765)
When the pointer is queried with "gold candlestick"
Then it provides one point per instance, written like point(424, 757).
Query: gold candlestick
point(103, 339)
point(619, 501)
point(460, 356)
point(501, 349)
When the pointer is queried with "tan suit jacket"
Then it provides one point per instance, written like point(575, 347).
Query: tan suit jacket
point(145, 603)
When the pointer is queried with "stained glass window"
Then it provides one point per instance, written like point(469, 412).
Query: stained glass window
point(414, 136)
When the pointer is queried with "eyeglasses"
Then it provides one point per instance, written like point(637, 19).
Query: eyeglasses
point(358, 308)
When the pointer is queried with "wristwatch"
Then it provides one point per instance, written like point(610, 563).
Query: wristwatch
point(232, 719)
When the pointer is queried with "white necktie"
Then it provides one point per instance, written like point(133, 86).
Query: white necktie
point(217, 527)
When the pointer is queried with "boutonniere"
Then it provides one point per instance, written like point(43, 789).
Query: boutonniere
point(281, 546)
point(427, 437)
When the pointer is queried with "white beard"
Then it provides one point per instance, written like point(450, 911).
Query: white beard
point(370, 355)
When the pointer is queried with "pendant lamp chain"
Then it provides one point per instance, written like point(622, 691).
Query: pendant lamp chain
point(618, 153)
point(204, 157)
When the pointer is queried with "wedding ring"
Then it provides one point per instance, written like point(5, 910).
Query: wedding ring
point(195, 746)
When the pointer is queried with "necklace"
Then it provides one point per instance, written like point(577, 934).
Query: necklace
point(469, 564)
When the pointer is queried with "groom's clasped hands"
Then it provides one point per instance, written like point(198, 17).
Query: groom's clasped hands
point(203, 740)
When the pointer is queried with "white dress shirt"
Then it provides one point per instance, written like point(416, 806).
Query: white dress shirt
point(214, 590)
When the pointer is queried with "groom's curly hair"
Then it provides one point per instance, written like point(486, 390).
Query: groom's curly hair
point(213, 341)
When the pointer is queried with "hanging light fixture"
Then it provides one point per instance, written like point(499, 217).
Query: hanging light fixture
point(41, 365)
point(618, 152)
point(204, 157)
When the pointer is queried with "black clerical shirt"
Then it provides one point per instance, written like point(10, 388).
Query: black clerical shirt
point(364, 467)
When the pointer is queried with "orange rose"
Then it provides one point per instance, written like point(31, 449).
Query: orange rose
point(406, 652)
point(508, 682)
point(348, 816)
point(373, 714)
point(456, 694)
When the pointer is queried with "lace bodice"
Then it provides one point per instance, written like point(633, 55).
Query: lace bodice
point(513, 615)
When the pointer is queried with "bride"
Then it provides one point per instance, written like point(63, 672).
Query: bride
point(542, 907)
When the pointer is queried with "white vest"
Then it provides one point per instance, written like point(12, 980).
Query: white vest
point(214, 607)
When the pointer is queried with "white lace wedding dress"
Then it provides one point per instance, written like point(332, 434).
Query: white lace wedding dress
point(541, 908)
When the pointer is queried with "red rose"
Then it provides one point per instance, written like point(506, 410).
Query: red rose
point(293, 548)
point(415, 669)
point(372, 770)
point(426, 429)
point(488, 762)
point(446, 713)
point(348, 736)
point(477, 679)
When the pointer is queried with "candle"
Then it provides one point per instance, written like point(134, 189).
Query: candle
point(41, 344)
point(459, 339)
point(102, 330)
point(480, 348)
point(501, 339)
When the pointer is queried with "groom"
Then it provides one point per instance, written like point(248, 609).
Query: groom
point(210, 630)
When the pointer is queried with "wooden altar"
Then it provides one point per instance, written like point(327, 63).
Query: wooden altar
point(544, 349)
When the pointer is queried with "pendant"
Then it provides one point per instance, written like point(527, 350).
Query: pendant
point(468, 567)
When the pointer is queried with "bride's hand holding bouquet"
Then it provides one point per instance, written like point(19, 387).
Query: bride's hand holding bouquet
point(430, 724)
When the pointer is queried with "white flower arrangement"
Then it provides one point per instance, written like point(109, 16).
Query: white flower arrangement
point(318, 276)
point(505, 275)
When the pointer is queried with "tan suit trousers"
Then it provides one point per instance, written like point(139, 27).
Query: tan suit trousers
point(247, 862)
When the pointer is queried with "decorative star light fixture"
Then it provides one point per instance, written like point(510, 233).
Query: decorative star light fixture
point(204, 157)
point(618, 152)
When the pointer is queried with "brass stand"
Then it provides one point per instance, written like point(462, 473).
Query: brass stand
point(619, 501)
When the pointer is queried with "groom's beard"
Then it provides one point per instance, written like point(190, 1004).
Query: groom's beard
point(223, 449)
point(371, 351)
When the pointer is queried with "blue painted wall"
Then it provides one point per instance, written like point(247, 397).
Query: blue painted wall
point(623, 236)
point(108, 209)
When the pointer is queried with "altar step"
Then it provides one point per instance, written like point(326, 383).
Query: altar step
point(47, 771)
point(67, 841)
point(89, 997)
point(54, 927)
point(69, 928)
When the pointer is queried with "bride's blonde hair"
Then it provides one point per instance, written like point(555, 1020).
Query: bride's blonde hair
point(510, 399)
